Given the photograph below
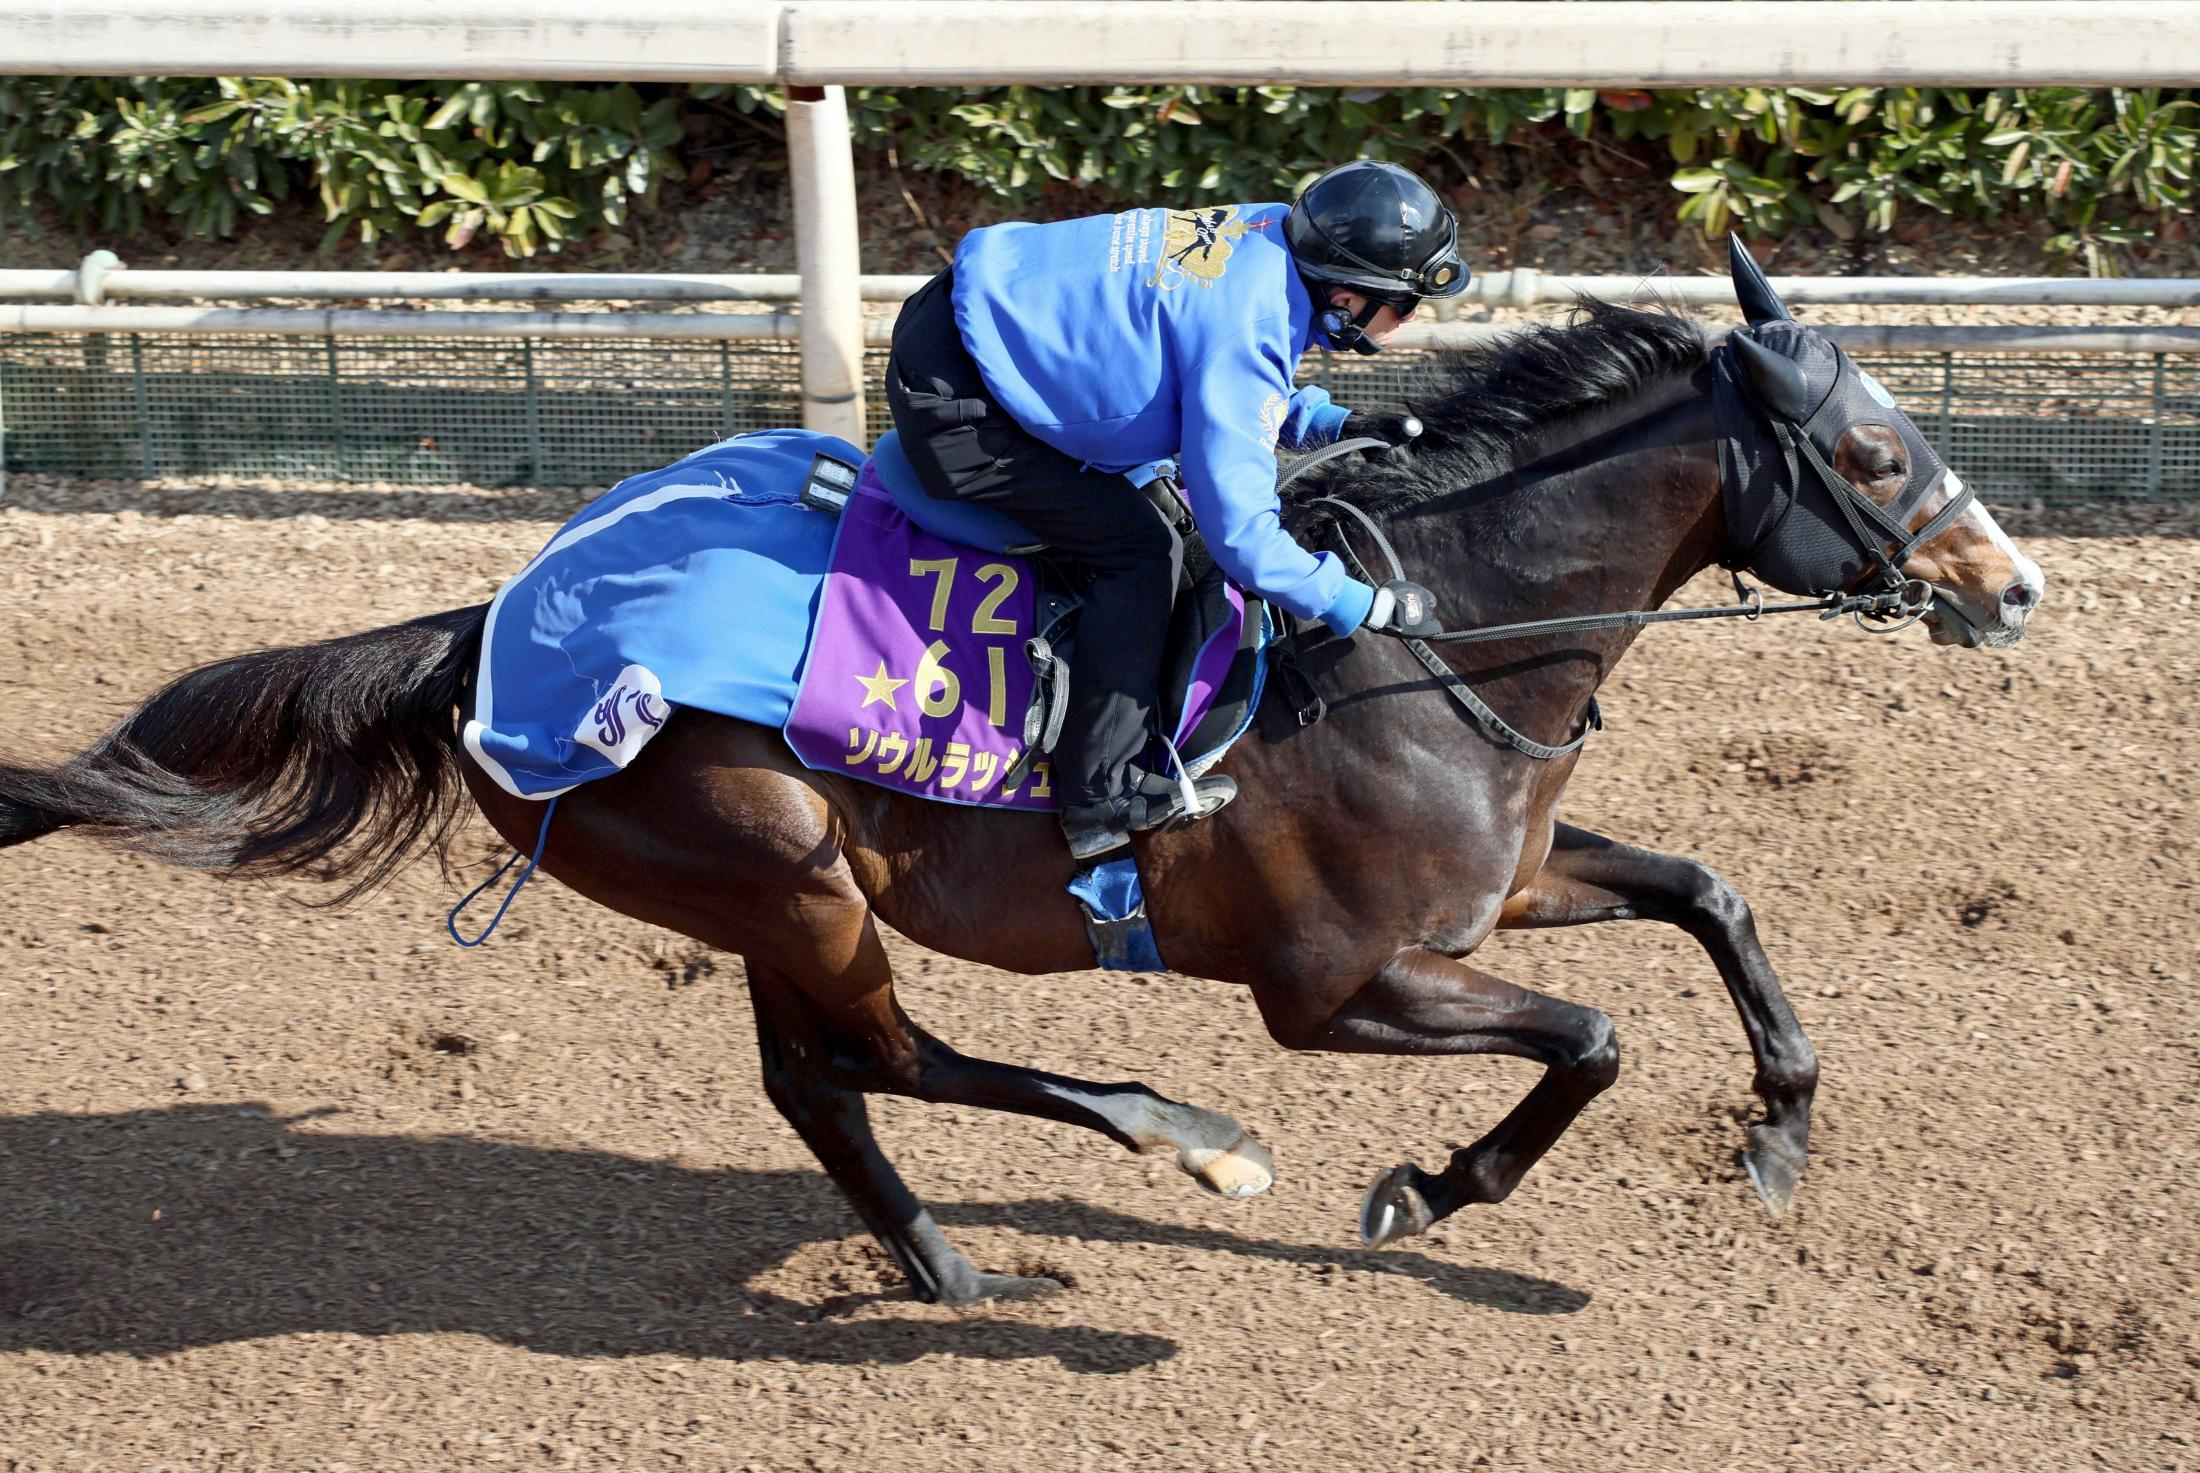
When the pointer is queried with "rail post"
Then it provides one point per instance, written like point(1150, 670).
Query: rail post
point(2155, 412)
point(534, 412)
point(826, 252)
point(144, 406)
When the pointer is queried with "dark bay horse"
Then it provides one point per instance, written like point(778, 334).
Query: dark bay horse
point(1568, 471)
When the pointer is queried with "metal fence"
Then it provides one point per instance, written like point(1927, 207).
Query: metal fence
point(506, 411)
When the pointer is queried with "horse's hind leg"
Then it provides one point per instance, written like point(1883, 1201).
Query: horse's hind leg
point(1589, 878)
point(1212, 1149)
point(834, 1124)
point(829, 1030)
point(876, 1048)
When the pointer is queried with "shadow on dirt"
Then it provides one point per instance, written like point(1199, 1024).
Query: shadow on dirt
point(158, 1230)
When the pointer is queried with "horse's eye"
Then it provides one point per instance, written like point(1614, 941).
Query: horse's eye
point(1891, 468)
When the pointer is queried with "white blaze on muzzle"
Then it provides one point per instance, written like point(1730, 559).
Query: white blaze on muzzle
point(2029, 577)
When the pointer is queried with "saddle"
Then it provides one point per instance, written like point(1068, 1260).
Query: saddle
point(1211, 672)
point(1205, 610)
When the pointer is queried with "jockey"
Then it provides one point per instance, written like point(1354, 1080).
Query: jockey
point(1052, 365)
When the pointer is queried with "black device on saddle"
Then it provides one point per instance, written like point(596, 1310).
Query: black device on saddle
point(830, 483)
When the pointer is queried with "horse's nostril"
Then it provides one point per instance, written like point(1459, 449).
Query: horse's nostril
point(2019, 596)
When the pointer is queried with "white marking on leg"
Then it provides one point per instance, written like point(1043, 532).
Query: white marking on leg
point(1210, 1148)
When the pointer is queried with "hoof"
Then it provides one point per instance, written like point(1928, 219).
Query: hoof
point(1774, 1166)
point(978, 1287)
point(1245, 1169)
point(1394, 1208)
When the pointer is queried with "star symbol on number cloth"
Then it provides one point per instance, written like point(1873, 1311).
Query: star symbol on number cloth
point(879, 687)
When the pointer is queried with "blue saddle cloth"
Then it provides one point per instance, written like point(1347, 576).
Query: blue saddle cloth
point(702, 584)
point(694, 585)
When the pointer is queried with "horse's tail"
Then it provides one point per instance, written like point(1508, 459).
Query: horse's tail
point(336, 759)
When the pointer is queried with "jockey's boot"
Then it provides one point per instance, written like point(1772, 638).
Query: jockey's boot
point(1154, 801)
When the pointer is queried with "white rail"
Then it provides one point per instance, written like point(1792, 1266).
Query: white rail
point(92, 284)
point(352, 322)
point(786, 327)
point(1495, 43)
point(102, 279)
point(1528, 287)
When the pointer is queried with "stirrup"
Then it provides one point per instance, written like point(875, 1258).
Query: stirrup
point(1159, 803)
point(1096, 829)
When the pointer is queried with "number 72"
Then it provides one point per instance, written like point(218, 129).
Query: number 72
point(986, 620)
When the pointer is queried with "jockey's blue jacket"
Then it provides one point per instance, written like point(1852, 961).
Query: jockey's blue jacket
point(1155, 333)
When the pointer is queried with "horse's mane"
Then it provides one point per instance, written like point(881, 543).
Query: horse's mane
point(1491, 409)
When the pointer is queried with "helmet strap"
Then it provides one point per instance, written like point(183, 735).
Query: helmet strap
point(1349, 330)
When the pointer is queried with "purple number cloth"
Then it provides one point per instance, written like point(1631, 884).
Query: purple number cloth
point(916, 677)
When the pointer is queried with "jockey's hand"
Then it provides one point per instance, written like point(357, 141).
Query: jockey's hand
point(1405, 609)
point(1394, 430)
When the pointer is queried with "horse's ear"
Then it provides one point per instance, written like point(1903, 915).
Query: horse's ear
point(1779, 378)
point(1751, 289)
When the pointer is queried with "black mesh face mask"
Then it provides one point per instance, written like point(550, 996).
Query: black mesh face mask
point(1784, 397)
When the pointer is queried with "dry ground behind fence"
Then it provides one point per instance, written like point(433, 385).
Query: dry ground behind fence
point(286, 1189)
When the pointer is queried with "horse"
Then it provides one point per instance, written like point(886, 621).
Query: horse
point(1573, 469)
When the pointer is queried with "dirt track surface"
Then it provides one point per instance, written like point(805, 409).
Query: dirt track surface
point(287, 1189)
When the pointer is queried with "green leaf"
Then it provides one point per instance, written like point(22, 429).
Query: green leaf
point(450, 112)
point(214, 113)
point(463, 226)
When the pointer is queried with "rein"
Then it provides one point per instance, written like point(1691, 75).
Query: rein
point(1907, 602)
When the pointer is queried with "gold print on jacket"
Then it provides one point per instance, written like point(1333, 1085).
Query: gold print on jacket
point(1196, 247)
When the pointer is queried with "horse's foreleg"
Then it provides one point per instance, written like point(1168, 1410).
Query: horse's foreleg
point(834, 1124)
point(1423, 1003)
point(1589, 878)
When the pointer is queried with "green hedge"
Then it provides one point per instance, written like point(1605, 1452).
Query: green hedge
point(528, 164)
point(534, 165)
point(2102, 164)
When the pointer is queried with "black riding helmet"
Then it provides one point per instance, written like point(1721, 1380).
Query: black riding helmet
point(1378, 230)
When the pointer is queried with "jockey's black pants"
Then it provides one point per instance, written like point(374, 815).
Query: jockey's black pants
point(966, 448)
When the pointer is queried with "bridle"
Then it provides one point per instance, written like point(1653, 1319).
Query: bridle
point(1896, 603)
point(1871, 527)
